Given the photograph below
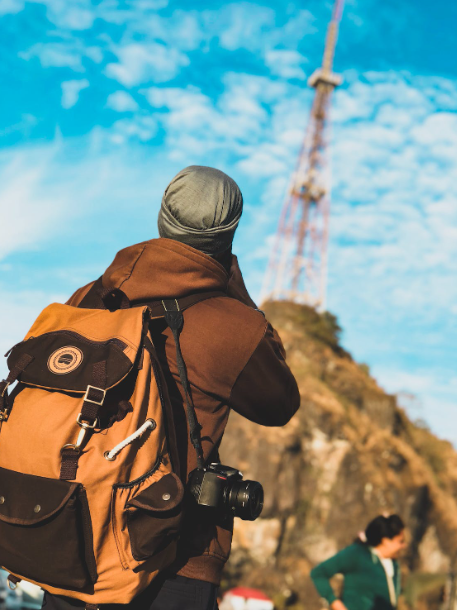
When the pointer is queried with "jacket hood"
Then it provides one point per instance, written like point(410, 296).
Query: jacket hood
point(163, 268)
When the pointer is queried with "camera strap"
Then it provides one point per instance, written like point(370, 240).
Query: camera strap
point(175, 320)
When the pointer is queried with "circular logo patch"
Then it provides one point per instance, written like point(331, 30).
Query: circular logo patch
point(65, 360)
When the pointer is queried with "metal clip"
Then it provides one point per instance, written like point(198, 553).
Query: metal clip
point(85, 428)
point(76, 447)
point(81, 437)
point(4, 415)
point(86, 425)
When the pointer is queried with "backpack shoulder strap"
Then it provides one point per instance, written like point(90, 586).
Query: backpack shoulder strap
point(157, 309)
point(175, 320)
point(100, 297)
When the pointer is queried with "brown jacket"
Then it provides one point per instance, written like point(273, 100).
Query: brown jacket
point(234, 359)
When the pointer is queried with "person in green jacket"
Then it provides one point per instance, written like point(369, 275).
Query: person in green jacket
point(369, 566)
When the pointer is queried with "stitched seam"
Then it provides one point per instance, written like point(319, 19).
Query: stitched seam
point(196, 258)
point(133, 267)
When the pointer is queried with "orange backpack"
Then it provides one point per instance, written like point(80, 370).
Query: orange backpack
point(90, 497)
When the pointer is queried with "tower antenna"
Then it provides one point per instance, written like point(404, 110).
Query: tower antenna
point(297, 270)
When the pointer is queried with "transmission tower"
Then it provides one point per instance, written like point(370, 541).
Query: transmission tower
point(297, 270)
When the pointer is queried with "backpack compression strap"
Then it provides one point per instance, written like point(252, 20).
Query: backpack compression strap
point(87, 420)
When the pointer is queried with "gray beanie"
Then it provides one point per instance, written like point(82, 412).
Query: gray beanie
point(201, 207)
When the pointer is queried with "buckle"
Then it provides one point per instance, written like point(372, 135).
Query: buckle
point(165, 307)
point(95, 402)
point(4, 415)
point(85, 425)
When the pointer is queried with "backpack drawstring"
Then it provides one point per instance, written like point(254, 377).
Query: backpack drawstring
point(149, 424)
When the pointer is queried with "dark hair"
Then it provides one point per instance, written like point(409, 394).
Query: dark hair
point(383, 527)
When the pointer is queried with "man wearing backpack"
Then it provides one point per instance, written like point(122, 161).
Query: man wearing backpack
point(233, 359)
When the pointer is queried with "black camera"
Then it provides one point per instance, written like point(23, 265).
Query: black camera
point(223, 488)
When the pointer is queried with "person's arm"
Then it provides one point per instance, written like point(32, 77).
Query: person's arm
point(341, 563)
point(266, 391)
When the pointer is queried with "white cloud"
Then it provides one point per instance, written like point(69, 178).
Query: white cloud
point(400, 172)
point(121, 101)
point(141, 63)
point(147, 5)
point(53, 190)
point(183, 30)
point(237, 123)
point(57, 55)
point(31, 211)
point(77, 16)
point(11, 6)
point(250, 26)
point(71, 90)
point(241, 25)
point(286, 63)
point(25, 125)
point(143, 128)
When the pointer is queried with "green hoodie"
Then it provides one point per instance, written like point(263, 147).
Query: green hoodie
point(365, 581)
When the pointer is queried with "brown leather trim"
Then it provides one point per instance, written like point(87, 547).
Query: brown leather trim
point(40, 373)
point(42, 517)
point(151, 499)
point(88, 536)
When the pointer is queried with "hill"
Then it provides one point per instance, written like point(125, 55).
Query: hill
point(349, 454)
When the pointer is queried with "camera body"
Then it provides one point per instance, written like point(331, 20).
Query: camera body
point(222, 488)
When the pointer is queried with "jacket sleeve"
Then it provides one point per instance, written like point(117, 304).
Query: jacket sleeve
point(265, 391)
point(341, 563)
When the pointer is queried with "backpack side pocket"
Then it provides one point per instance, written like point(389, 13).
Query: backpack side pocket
point(147, 518)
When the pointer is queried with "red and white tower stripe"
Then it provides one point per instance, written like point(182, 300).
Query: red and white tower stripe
point(297, 270)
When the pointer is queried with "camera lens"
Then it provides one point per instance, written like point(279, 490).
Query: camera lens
point(245, 499)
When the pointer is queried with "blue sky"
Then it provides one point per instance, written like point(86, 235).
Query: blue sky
point(104, 101)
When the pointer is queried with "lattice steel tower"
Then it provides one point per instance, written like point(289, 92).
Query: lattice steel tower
point(297, 270)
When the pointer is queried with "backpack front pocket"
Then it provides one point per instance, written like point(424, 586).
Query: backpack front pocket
point(149, 518)
point(45, 530)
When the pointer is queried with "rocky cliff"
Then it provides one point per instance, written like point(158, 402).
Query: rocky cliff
point(349, 454)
